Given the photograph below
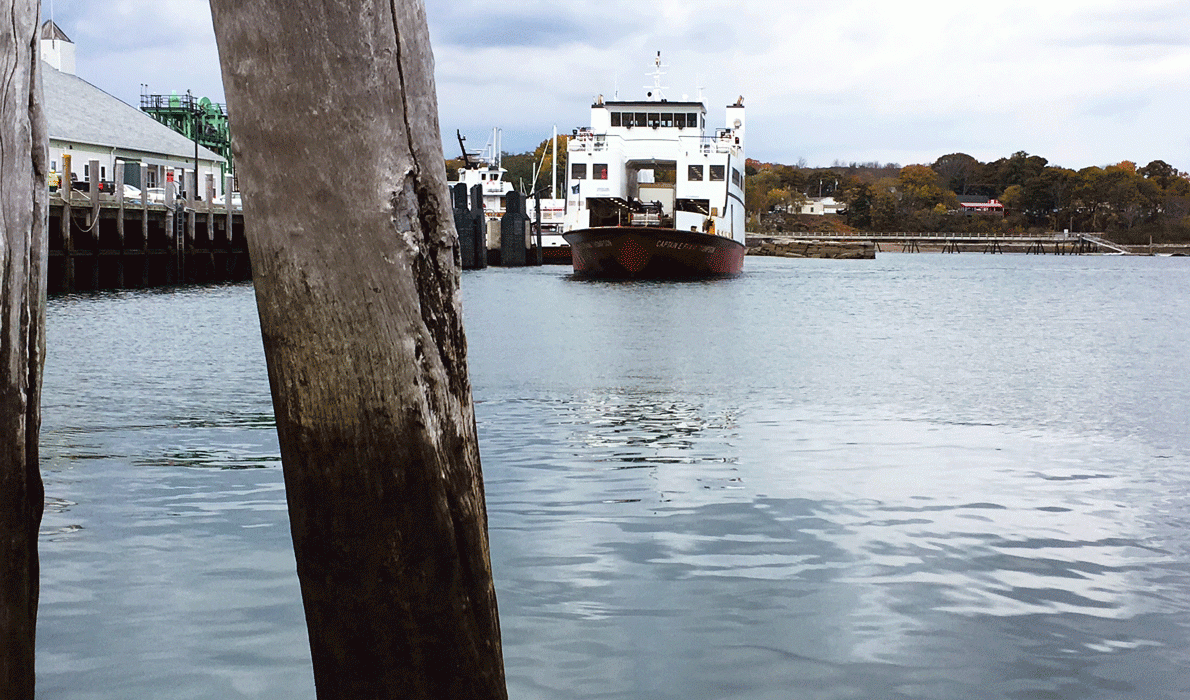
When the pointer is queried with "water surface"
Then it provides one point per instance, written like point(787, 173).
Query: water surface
point(925, 476)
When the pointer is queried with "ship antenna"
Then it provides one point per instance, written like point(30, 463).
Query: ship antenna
point(656, 95)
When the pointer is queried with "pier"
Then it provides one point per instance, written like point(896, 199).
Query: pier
point(1028, 243)
point(101, 241)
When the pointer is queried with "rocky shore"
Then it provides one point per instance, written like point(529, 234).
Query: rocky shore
point(790, 247)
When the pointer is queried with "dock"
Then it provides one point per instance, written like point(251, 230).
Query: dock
point(1060, 243)
point(106, 242)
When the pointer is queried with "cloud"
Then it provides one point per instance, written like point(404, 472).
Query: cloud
point(1078, 82)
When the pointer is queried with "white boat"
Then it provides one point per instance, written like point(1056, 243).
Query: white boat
point(483, 168)
point(651, 194)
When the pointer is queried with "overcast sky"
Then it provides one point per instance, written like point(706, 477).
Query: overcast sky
point(1091, 82)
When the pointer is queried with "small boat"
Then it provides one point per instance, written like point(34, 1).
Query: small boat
point(652, 195)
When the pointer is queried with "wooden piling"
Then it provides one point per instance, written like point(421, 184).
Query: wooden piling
point(66, 189)
point(93, 220)
point(119, 180)
point(24, 207)
point(144, 223)
point(358, 296)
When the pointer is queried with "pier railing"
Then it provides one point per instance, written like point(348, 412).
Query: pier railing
point(1059, 243)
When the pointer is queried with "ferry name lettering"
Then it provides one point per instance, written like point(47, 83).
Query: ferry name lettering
point(685, 246)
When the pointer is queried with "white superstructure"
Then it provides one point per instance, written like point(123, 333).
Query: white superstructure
point(658, 154)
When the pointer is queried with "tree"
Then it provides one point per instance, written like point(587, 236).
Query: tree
point(23, 206)
point(920, 188)
point(357, 292)
point(957, 170)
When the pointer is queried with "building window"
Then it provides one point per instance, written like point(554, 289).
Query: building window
point(718, 173)
point(578, 171)
point(694, 173)
point(599, 171)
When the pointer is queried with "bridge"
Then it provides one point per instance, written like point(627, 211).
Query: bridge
point(1056, 243)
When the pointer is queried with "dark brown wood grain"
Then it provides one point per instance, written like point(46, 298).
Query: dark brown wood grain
point(23, 207)
point(356, 267)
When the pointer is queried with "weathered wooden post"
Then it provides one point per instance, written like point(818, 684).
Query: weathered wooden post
point(512, 231)
point(144, 224)
point(93, 219)
point(119, 185)
point(357, 290)
point(462, 218)
point(537, 225)
point(24, 199)
point(67, 222)
point(479, 227)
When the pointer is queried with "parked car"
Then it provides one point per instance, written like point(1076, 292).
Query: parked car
point(156, 195)
point(131, 192)
point(235, 201)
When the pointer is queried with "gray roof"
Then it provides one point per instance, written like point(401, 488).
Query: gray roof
point(79, 112)
point(50, 30)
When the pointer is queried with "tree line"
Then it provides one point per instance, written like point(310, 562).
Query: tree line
point(1128, 202)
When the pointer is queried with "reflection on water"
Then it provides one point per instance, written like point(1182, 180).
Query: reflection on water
point(815, 481)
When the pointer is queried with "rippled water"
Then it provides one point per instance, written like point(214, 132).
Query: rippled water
point(927, 476)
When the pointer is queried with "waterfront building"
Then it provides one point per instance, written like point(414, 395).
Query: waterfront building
point(89, 124)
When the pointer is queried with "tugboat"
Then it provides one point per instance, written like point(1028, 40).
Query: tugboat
point(651, 195)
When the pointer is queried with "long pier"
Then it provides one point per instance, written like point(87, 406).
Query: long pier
point(104, 241)
point(1055, 243)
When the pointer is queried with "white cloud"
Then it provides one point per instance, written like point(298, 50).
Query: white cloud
point(1080, 83)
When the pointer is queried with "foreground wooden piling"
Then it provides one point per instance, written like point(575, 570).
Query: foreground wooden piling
point(357, 289)
point(23, 200)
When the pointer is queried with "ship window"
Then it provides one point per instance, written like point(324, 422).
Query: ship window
point(667, 120)
point(578, 171)
point(692, 119)
point(718, 173)
point(640, 119)
point(654, 119)
point(615, 119)
point(697, 206)
point(599, 171)
point(694, 173)
point(735, 177)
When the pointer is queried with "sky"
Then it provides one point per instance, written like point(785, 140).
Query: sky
point(1085, 83)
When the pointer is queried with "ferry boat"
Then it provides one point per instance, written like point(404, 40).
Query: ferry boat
point(652, 195)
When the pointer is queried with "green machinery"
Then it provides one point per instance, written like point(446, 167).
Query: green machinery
point(199, 120)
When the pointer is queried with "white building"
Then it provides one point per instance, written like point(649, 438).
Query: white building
point(90, 124)
point(821, 206)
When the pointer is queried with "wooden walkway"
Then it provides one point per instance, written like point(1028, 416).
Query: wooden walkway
point(1055, 243)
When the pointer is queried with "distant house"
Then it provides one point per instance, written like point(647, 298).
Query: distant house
point(88, 124)
point(980, 205)
point(821, 206)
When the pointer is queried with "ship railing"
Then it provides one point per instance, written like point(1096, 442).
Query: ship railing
point(716, 144)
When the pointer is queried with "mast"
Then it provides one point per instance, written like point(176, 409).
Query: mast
point(554, 181)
